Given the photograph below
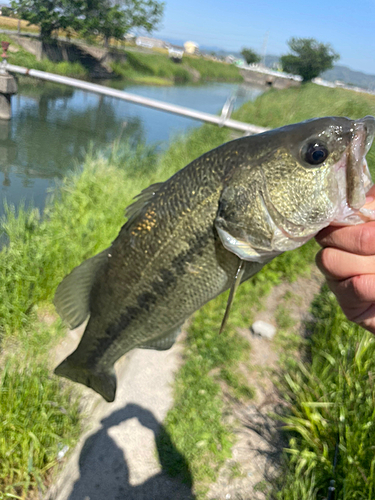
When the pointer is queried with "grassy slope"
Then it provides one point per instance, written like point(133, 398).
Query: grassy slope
point(159, 68)
point(152, 69)
point(83, 218)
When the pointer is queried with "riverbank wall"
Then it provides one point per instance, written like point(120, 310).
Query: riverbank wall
point(263, 78)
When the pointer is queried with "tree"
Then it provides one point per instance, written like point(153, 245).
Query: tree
point(6, 11)
point(104, 17)
point(50, 15)
point(310, 58)
point(250, 56)
point(114, 20)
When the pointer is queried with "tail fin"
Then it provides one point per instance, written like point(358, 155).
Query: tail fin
point(103, 382)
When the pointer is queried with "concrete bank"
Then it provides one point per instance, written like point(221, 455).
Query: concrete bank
point(263, 77)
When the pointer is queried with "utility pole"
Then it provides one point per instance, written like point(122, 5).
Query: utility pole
point(264, 48)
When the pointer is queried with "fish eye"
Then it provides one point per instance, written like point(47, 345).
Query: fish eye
point(315, 153)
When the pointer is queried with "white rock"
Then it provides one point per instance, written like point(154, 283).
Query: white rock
point(263, 329)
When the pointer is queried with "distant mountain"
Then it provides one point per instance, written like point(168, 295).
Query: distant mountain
point(349, 76)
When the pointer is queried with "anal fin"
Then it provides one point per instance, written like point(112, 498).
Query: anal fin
point(164, 342)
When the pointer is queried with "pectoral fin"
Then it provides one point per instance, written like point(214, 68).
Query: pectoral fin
point(233, 290)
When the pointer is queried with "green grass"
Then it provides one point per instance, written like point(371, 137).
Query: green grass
point(212, 70)
point(144, 68)
point(201, 362)
point(333, 396)
point(212, 359)
point(39, 418)
point(81, 218)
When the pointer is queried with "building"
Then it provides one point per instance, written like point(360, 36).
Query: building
point(130, 38)
point(150, 43)
point(191, 48)
point(175, 52)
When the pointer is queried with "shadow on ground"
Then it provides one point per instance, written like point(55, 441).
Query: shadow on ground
point(104, 471)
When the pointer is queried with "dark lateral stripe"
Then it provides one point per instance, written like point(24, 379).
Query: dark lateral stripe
point(146, 300)
point(196, 247)
point(113, 331)
point(165, 280)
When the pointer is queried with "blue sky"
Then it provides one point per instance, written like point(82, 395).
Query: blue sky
point(349, 26)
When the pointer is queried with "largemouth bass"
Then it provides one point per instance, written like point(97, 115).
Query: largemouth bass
point(212, 225)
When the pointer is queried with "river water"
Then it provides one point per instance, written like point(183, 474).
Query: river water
point(53, 126)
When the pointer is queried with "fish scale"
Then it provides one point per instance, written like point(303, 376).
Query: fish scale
point(210, 226)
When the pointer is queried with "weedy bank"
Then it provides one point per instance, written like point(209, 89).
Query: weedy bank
point(145, 68)
point(157, 68)
point(81, 218)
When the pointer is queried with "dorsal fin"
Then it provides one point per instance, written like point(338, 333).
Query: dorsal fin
point(141, 200)
point(72, 297)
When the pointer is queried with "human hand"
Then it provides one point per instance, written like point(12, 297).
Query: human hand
point(347, 260)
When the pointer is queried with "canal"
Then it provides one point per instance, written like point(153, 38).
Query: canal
point(53, 127)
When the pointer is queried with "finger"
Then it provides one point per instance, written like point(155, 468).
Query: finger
point(367, 317)
point(358, 239)
point(354, 294)
point(369, 323)
point(363, 315)
point(340, 265)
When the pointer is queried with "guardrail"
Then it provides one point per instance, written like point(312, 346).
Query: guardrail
point(222, 121)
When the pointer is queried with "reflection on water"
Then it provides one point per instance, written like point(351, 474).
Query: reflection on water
point(53, 126)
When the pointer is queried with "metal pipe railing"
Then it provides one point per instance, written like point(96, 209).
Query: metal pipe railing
point(248, 128)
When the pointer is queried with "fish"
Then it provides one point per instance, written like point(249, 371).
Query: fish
point(208, 228)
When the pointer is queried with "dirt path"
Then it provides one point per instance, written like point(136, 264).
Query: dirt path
point(117, 458)
point(256, 455)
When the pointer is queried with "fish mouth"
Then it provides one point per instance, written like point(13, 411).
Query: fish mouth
point(357, 180)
